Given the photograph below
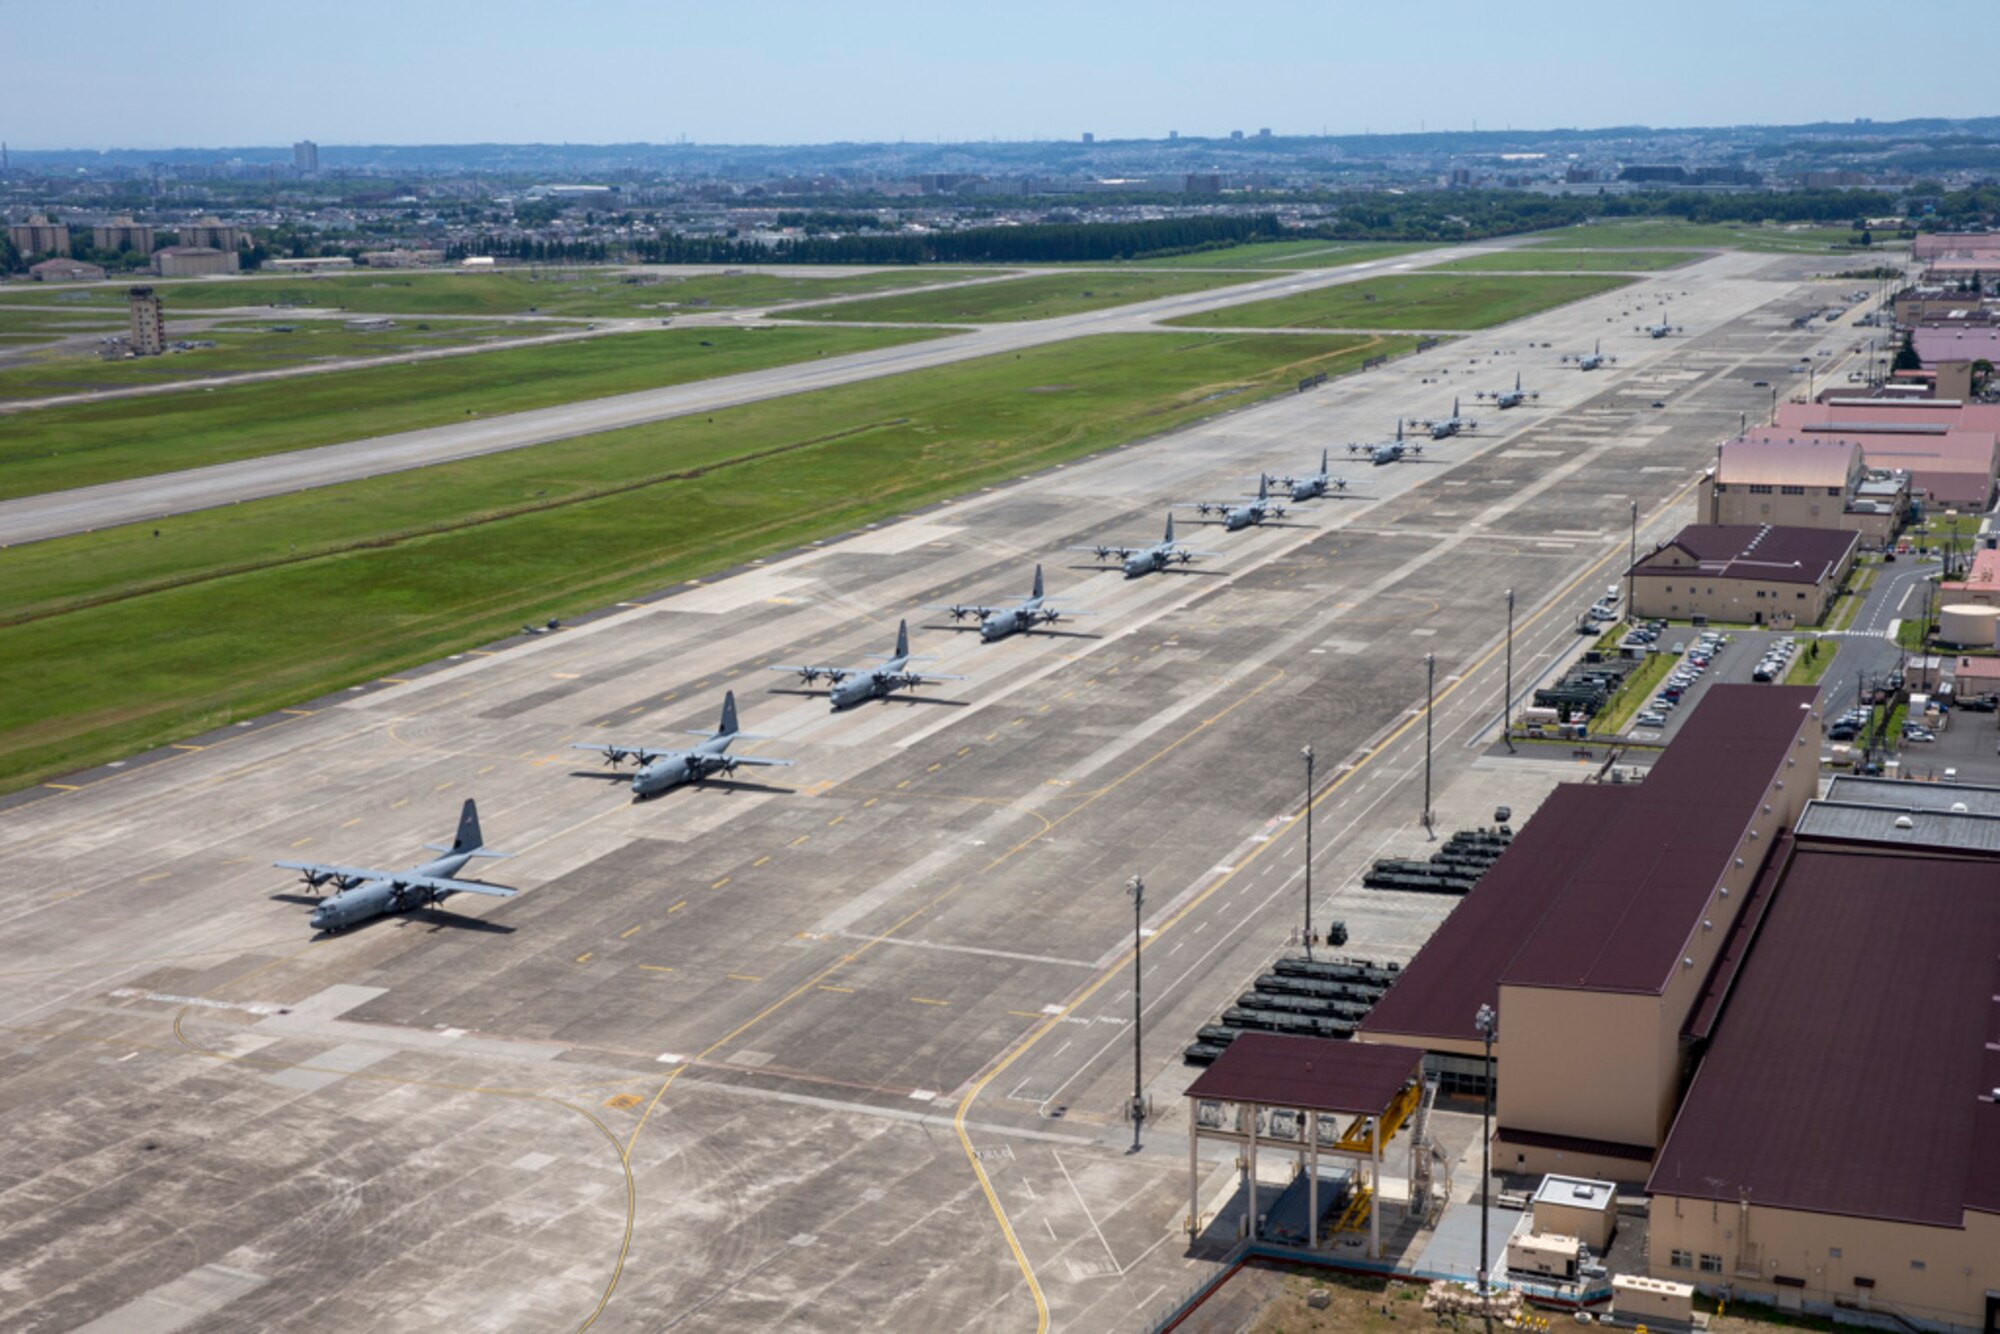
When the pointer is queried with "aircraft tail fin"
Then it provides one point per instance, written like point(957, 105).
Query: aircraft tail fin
point(1454, 406)
point(1263, 487)
point(1170, 528)
point(1517, 382)
point(728, 727)
point(468, 828)
point(902, 639)
point(1324, 454)
point(1038, 582)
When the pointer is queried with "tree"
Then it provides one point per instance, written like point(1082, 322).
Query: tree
point(1906, 357)
point(1867, 237)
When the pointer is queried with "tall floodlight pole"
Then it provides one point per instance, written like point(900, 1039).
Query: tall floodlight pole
point(1486, 1022)
point(1136, 887)
point(1430, 702)
point(1307, 751)
point(1631, 564)
point(1507, 694)
point(1774, 405)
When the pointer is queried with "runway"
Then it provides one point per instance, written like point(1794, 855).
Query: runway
point(847, 1047)
point(57, 514)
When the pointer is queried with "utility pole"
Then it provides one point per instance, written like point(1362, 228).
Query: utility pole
point(1507, 696)
point(1486, 1022)
point(1136, 887)
point(1430, 701)
point(1308, 753)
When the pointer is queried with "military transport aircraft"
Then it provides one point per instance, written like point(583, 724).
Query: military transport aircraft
point(1240, 514)
point(362, 893)
point(852, 685)
point(660, 769)
point(1509, 398)
point(1317, 484)
point(999, 622)
point(1591, 360)
point(1388, 451)
point(1145, 560)
point(1443, 428)
point(1660, 330)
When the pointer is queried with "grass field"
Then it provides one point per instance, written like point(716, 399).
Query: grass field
point(1647, 232)
point(52, 449)
point(241, 347)
point(1409, 301)
point(1815, 655)
point(117, 640)
point(59, 323)
point(551, 291)
point(1039, 297)
point(1287, 255)
point(1633, 694)
point(1570, 261)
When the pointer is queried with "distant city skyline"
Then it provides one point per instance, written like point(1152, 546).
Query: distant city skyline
point(619, 71)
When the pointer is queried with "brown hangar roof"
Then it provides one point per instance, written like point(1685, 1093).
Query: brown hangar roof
point(1459, 967)
point(1312, 1074)
point(1753, 551)
point(1857, 1062)
point(1605, 885)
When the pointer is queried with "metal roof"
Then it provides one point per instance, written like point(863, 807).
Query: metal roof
point(1959, 831)
point(1903, 795)
point(1604, 885)
point(1754, 551)
point(1311, 1074)
point(1856, 1065)
point(1747, 461)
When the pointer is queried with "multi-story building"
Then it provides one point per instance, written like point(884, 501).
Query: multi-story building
point(1810, 482)
point(214, 234)
point(1752, 573)
point(149, 325)
point(305, 157)
point(123, 234)
point(39, 236)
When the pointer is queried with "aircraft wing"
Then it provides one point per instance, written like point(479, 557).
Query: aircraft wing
point(758, 760)
point(962, 608)
point(1205, 555)
point(1101, 552)
point(929, 676)
point(641, 754)
point(812, 673)
point(323, 871)
point(1068, 611)
point(438, 882)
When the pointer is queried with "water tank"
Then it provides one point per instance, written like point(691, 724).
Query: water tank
point(1968, 624)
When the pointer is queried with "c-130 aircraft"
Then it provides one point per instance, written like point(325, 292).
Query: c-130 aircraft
point(363, 893)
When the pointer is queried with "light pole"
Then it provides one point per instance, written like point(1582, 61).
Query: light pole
point(1631, 564)
point(1507, 696)
point(1307, 751)
point(1486, 1022)
point(1430, 700)
point(1136, 887)
point(1774, 405)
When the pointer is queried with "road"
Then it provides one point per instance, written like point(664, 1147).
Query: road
point(845, 1049)
point(38, 518)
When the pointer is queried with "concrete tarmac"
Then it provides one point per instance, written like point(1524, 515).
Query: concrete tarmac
point(845, 1045)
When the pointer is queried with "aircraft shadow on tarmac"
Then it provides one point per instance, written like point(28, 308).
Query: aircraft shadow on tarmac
point(437, 917)
point(1037, 633)
point(716, 784)
point(1171, 569)
point(898, 698)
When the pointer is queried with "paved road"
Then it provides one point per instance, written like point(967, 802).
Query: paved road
point(38, 518)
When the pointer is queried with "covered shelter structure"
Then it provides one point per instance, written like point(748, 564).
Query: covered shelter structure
point(1313, 1097)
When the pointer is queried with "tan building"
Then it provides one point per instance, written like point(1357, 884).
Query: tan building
point(1757, 575)
point(402, 259)
point(1840, 1144)
point(1803, 482)
point(149, 325)
point(194, 261)
point(123, 234)
point(39, 236)
point(1599, 938)
point(66, 271)
point(213, 233)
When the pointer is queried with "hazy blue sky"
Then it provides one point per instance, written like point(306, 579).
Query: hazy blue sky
point(772, 71)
